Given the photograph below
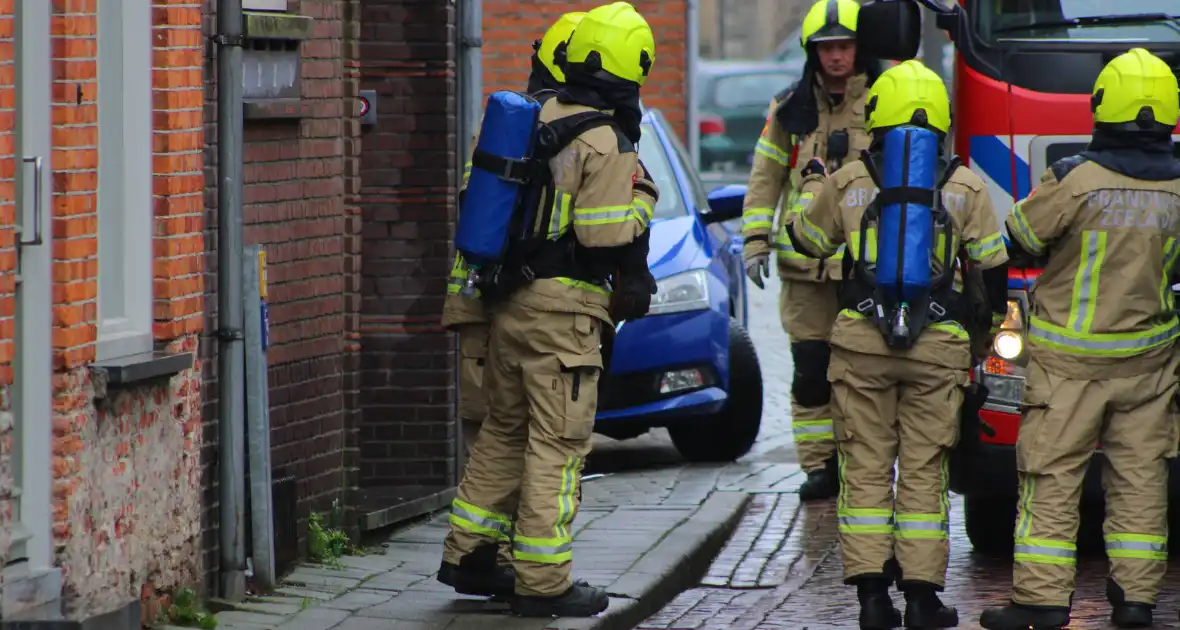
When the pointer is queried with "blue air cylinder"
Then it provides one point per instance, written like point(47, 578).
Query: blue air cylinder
point(905, 239)
point(508, 131)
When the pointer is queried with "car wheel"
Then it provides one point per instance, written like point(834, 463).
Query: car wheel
point(990, 522)
point(730, 433)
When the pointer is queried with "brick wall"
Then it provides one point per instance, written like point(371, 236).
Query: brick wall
point(7, 262)
point(510, 26)
point(408, 180)
point(126, 491)
point(298, 174)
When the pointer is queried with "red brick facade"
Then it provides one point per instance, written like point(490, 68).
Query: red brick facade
point(125, 467)
point(301, 206)
point(7, 263)
point(510, 26)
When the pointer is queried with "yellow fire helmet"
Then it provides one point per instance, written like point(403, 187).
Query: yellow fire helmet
point(1136, 86)
point(557, 35)
point(614, 39)
point(908, 94)
point(829, 20)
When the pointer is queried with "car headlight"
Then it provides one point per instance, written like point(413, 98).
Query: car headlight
point(688, 291)
point(1008, 345)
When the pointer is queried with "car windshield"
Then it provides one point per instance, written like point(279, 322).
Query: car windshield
point(1155, 21)
point(749, 90)
point(651, 151)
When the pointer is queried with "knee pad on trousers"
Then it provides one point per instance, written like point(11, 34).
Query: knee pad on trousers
point(810, 386)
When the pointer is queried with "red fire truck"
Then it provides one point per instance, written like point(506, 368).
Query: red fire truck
point(1021, 97)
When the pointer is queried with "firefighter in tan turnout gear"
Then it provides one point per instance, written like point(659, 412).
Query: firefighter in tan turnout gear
point(585, 265)
point(822, 117)
point(898, 398)
point(1103, 364)
point(466, 316)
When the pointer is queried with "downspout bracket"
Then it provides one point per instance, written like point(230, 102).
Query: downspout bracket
point(471, 42)
point(229, 40)
point(230, 334)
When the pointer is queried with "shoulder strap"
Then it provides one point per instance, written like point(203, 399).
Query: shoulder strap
point(542, 96)
point(556, 135)
point(552, 138)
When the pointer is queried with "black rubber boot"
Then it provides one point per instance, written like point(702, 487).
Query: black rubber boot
point(581, 600)
point(876, 607)
point(1020, 617)
point(1125, 614)
point(823, 483)
point(478, 574)
point(923, 608)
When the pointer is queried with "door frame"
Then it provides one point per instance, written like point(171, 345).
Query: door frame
point(33, 369)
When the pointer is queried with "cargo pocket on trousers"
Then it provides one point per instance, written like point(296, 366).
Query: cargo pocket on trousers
point(579, 374)
point(837, 369)
point(587, 331)
point(1031, 452)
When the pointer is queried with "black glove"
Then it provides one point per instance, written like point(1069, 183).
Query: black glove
point(814, 167)
point(633, 283)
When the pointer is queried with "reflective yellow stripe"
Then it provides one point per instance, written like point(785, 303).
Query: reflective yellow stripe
point(923, 527)
point(813, 430)
point(993, 244)
point(772, 151)
point(466, 173)
point(865, 520)
point(1167, 298)
point(1085, 281)
point(1023, 231)
point(784, 247)
point(559, 548)
point(603, 216)
point(952, 327)
point(1056, 337)
point(543, 550)
point(757, 219)
point(1137, 546)
point(1044, 551)
point(458, 277)
point(823, 245)
point(643, 210)
point(559, 220)
point(477, 520)
point(585, 286)
point(870, 244)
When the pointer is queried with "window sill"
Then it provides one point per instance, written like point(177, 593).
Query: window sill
point(137, 369)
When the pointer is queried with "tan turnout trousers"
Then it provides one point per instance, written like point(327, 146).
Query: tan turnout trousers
point(1134, 421)
point(541, 378)
point(808, 310)
point(891, 408)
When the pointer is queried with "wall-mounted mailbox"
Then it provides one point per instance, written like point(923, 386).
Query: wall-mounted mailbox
point(272, 65)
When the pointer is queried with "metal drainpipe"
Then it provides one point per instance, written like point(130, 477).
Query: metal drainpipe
point(231, 392)
point(692, 47)
point(470, 81)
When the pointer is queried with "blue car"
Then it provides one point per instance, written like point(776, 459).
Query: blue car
point(689, 365)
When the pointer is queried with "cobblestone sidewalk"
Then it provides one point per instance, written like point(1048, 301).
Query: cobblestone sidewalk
point(639, 535)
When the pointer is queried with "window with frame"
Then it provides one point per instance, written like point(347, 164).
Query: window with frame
point(125, 214)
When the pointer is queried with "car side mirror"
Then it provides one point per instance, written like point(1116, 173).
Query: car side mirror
point(725, 204)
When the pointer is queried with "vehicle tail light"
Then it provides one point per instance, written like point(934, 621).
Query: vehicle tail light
point(712, 124)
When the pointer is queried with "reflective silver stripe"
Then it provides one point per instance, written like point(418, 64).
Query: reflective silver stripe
point(557, 219)
point(823, 428)
point(481, 521)
point(541, 550)
point(1034, 550)
point(924, 525)
point(1082, 316)
point(866, 520)
point(1105, 345)
point(1136, 546)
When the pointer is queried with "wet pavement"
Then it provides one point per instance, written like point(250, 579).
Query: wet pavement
point(811, 595)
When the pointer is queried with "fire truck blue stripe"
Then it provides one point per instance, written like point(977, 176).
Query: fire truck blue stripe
point(993, 157)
